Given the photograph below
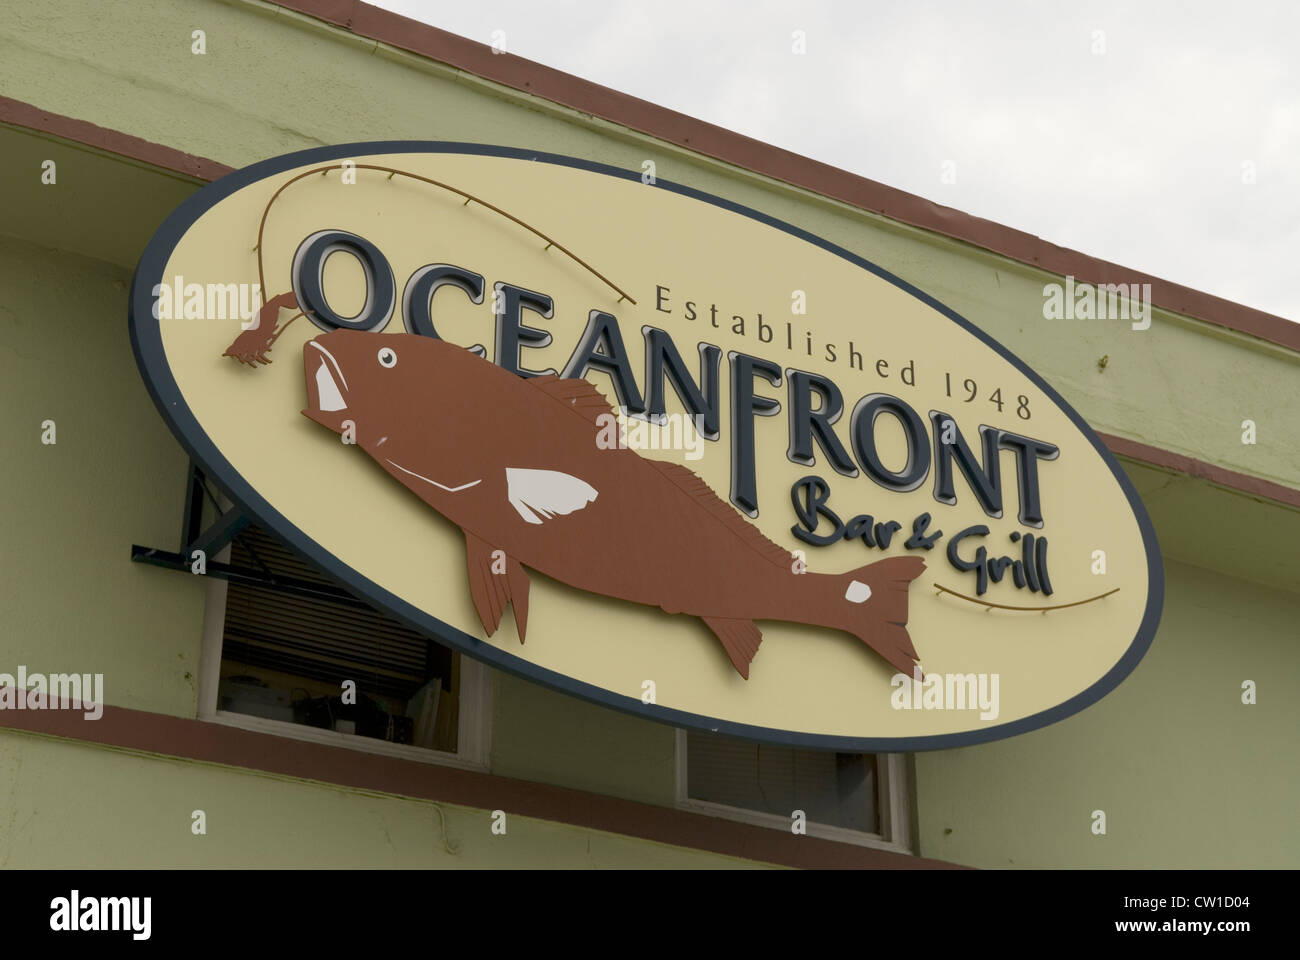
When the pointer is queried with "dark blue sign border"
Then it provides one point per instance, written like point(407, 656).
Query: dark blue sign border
point(146, 341)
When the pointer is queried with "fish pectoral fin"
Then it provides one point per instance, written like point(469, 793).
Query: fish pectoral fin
point(495, 580)
point(539, 495)
point(740, 638)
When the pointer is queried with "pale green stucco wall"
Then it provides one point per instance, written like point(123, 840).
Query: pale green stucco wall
point(1186, 774)
point(67, 805)
point(71, 598)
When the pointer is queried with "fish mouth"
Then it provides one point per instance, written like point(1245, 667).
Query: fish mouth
point(327, 387)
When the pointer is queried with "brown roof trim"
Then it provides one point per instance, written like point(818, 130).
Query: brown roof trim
point(21, 114)
point(218, 743)
point(1242, 482)
point(79, 131)
point(373, 23)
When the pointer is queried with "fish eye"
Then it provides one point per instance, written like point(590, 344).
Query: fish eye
point(387, 358)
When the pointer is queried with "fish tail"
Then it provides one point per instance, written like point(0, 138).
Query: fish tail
point(874, 607)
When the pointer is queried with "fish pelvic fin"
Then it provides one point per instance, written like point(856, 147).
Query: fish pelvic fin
point(496, 580)
point(875, 602)
point(740, 638)
point(518, 583)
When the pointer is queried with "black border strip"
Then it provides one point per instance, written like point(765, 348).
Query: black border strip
point(146, 342)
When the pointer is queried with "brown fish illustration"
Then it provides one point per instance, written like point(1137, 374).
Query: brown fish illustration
point(516, 465)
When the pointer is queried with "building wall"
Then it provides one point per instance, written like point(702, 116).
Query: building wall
point(72, 600)
point(67, 805)
point(1186, 774)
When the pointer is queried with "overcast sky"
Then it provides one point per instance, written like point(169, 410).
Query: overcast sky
point(1164, 136)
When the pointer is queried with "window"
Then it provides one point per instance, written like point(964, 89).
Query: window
point(850, 797)
point(331, 669)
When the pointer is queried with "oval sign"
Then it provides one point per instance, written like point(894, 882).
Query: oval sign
point(713, 469)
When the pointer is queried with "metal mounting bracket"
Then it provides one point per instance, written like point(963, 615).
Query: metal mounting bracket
point(228, 525)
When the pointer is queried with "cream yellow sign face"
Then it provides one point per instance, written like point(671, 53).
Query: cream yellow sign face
point(846, 416)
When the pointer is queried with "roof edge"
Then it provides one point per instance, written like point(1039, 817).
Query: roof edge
point(1201, 469)
point(20, 114)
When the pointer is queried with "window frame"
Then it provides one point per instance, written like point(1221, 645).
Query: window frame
point(474, 730)
point(893, 801)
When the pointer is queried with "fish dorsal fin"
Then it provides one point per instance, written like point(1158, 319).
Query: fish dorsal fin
point(690, 484)
point(574, 392)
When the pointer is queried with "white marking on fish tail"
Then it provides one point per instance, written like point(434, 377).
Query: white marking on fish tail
point(858, 592)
